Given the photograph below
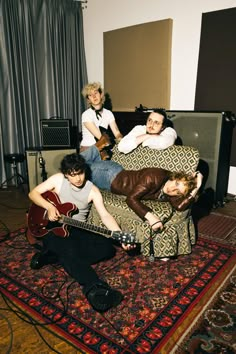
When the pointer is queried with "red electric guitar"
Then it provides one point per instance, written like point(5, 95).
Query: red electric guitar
point(39, 225)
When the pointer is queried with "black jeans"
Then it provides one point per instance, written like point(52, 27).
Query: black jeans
point(77, 252)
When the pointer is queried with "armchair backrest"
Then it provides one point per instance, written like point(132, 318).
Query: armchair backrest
point(174, 158)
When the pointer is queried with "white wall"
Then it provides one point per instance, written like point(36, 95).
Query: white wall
point(106, 15)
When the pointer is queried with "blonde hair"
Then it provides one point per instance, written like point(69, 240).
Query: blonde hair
point(188, 179)
point(92, 86)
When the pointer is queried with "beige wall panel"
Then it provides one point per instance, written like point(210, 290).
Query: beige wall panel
point(52, 160)
point(137, 65)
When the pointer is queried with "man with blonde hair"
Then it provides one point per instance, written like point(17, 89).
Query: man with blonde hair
point(97, 119)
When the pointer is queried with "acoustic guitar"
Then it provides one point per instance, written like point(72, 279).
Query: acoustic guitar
point(39, 225)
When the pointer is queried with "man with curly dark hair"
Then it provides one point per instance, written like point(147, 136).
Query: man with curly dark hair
point(80, 248)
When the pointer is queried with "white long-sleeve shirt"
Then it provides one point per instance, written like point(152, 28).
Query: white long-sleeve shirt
point(162, 141)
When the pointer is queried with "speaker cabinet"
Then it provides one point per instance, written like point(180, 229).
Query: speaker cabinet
point(56, 133)
point(211, 133)
point(51, 160)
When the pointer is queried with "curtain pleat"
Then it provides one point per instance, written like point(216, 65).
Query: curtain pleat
point(42, 71)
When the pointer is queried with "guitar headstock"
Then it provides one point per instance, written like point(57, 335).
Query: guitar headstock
point(124, 237)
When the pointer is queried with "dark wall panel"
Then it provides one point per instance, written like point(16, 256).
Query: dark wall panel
point(216, 78)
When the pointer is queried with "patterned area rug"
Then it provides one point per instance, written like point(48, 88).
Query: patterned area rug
point(213, 330)
point(218, 227)
point(181, 306)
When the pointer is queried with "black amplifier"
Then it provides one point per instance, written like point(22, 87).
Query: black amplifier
point(56, 133)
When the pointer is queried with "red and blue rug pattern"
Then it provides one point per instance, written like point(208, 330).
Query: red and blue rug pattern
point(161, 299)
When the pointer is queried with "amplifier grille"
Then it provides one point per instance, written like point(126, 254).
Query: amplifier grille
point(56, 133)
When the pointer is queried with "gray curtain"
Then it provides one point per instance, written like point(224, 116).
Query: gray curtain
point(42, 71)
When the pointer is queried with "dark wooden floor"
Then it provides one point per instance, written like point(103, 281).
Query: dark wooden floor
point(13, 206)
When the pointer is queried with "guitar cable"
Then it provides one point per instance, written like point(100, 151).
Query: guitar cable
point(123, 259)
point(166, 265)
point(131, 346)
point(9, 349)
point(23, 316)
point(4, 232)
point(37, 324)
point(49, 322)
point(42, 164)
point(27, 318)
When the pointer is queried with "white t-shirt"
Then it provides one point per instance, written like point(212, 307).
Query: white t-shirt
point(162, 141)
point(90, 116)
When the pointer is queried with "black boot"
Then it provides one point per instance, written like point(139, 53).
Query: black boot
point(102, 297)
point(41, 259)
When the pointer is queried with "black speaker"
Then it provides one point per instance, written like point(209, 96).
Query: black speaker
point(56, 133)
point(211, 133)
point(51, 160)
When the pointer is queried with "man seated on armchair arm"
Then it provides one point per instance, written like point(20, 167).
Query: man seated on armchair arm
point(156, 134)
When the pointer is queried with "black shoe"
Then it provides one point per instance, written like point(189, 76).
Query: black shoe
point(41, 259)
point(102, 297)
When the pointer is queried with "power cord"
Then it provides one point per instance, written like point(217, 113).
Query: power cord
point(9, 349)
point(4, 232)
point(25, 318)
point(119, 261)
point(130, 345)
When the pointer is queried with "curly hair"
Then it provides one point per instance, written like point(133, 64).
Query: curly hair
point(74, 163)
point(93, 86)
point(188, 179)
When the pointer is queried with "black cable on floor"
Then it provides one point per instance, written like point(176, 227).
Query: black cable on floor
point(20, 313)
point(4, 232)
point(9, 349)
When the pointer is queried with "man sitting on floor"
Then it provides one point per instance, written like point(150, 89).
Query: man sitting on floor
point(77, 252)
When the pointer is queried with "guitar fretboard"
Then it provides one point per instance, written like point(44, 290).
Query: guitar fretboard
point(85, 226)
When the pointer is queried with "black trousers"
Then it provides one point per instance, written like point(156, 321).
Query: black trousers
point(78, 252)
